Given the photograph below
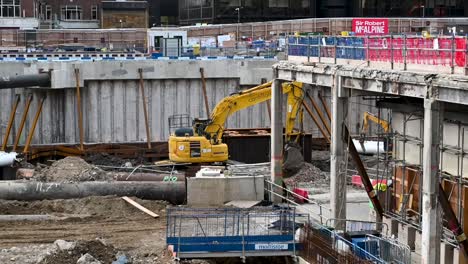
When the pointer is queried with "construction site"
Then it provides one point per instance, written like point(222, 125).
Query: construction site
point(316, 141)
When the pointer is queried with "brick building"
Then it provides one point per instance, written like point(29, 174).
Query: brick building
point(127, 14)
point(18, 14)
point(69, 13)
point(91, 14)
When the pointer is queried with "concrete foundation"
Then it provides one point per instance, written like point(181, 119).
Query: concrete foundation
point(392, 226)
point(407, 235)
point(216, 191)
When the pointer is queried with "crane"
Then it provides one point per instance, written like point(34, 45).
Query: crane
point(202, 143)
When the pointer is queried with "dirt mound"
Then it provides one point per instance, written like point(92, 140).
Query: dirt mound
point(108, 206)
point(97, 249)
point(71, 169)
point(105, 159)
point(308, 173)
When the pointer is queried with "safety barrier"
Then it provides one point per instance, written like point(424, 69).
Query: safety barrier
point(387, 249)
point(232, 232)
point(448, 51)
point(68, 58)
point(355, 226)
point(323, 246)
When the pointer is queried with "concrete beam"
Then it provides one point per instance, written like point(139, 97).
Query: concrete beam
point(448, 88)
point(276, 139)
point(249, 72)
point(431, 226)
point(337, 172)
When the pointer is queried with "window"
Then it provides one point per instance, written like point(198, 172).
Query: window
point(48, 12)
point(10, 8)
point(71, 13)
point(94, 12)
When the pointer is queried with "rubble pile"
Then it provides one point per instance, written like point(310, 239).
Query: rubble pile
point(80, 252)
point(308, 173)
point(70, 169)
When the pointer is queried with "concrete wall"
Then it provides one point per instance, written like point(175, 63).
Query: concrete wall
point(113, 110)
point(216, 191)
point(112, 104)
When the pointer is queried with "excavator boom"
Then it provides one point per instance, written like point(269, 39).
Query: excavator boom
point(204, 143)
point(368, 116)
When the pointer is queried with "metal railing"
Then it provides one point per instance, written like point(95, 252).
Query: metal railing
point(388, 249)
point(324, 246)
point(215, 52)
point(404, 50)
point(350, 226)
point(290, 196)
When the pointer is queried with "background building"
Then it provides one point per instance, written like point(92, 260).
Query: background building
point(224, 11)
point(163, 12)
point(18, 14)
point(124, 14)
point(69, 13)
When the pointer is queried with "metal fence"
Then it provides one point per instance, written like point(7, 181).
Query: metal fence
point(214, 52)
point(232, 232)
point(323, 246)
point(388, 250)
point(402, 50)
point(353, 226)
point(73, 39)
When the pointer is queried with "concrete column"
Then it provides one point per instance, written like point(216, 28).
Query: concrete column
point(276, 139)
point(337, 173)
point(431, 226)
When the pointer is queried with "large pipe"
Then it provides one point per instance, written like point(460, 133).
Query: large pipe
point(150, 177)
point(7, 158)
point(173, 192)
point(21, 81)
point(370, 146)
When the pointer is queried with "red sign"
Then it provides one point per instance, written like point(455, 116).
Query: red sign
point(370, 26)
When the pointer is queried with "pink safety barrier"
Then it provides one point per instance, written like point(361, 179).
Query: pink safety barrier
point(300, 195)
point(356, 181)
point(425, 51)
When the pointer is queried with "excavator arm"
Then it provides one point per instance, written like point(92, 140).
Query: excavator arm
point(368, 116)
point(203, 143)
point(244, 99)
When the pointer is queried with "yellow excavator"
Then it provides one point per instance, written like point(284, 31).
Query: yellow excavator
point(202, 143)
point(368, 116)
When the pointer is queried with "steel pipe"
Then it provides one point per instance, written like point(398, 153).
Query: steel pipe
point(7, 158)
point(173, 192)
point(21, 81)
point(151, 177)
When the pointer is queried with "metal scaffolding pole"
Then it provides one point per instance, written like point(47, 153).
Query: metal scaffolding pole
point(431, 225)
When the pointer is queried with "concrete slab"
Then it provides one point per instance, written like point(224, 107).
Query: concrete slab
point(216, 191)
point(242, 204)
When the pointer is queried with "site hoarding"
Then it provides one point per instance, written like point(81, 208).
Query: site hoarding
point(370, 26)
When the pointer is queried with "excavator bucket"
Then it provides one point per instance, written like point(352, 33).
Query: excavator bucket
point(293, 159)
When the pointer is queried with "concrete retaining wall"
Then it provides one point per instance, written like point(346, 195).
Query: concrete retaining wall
point(112, 104)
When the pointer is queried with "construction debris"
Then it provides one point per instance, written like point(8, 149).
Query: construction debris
point(308, 174)
point(81, 252)
point(71, 169)
point(139, 207)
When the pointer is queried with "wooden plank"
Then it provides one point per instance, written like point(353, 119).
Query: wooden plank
point(140, 207)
